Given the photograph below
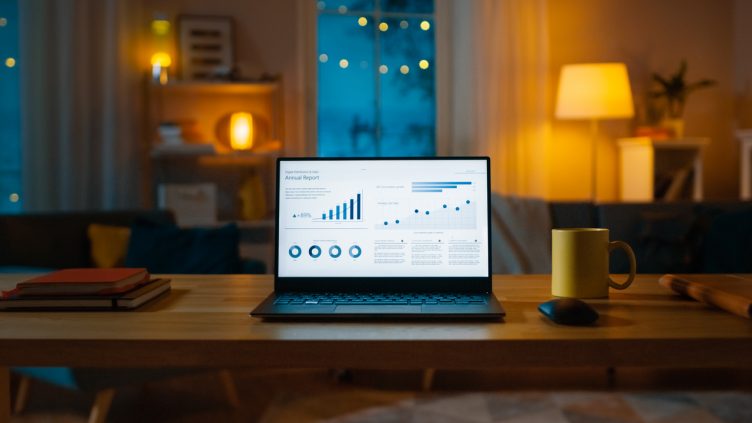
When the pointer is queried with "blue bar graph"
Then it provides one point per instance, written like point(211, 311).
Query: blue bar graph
point(348, 210)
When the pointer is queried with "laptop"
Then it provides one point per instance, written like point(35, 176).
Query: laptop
point(382, 238)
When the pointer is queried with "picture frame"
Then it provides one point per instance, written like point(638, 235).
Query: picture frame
point(206, 47)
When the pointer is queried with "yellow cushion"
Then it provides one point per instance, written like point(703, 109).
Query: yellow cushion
point(109, 244)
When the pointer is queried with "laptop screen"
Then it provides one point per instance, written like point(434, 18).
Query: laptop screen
point(365, 218)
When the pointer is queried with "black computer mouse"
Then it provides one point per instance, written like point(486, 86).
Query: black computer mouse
point(568, 311)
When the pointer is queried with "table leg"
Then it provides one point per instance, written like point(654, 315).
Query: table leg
point(4, 394)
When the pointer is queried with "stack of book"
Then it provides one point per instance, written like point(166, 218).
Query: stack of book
point(82, 289)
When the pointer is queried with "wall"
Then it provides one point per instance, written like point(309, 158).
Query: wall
point(743, 65)
point(649, 36)
point(268, 35)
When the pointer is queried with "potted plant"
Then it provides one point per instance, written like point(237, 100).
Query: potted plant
point(675, 90)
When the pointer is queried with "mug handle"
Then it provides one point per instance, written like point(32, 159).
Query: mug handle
point(632, 264)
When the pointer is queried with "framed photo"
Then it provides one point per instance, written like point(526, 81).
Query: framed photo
point(205, 45)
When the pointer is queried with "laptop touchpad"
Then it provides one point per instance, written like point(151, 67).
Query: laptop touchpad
point(380, 309)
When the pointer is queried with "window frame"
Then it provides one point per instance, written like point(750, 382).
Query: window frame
point(308, 40)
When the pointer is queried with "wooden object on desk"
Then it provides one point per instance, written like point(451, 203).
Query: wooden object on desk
point(205, 322)
point(745, 163)
point(644, 161)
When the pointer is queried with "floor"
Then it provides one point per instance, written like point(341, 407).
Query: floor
point(533, 395)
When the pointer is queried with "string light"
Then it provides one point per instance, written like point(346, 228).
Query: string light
point(10, 62)
point(383, 69)
point(362, 21)
point(321, 5)
point(404, 24)
point(3, 22)
point(14, 198)
point(425, 25)
point(383, 27)
point(404, 69)
point(423, 64)
point(342, 9)
point(323, 58)
point(344, 63)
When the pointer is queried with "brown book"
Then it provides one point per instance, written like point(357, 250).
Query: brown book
point(732, 293)
point(123, 301)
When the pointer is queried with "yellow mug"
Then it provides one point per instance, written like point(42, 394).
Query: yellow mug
point(579, 263)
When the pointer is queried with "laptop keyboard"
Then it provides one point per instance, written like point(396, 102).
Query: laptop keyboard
point(308, 298)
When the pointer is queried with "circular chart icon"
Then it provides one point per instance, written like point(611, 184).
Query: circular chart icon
point(335, 251)
point(355, 251)
point(295, 251)
point(314, 251)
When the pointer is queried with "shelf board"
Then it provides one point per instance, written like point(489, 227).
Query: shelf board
point(217, 87)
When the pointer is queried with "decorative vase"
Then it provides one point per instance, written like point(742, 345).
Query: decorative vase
point(674, 125)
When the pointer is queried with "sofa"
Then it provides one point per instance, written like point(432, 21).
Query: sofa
point(47, 241)
point(676, 237)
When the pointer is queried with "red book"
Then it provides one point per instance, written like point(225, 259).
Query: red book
point(81, 281)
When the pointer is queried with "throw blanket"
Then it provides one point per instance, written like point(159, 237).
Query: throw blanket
point(520, 235)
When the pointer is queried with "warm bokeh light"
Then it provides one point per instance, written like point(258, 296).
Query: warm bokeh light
point(383, 69)
point(362, 21)
point(10, 62)
point(161, 59)
point(342, 9)
point(425, 25)
point(323, 57)
point(241, 131)
point(404, 24)
point(594, 91)
point(160, 26)
point(14, 198)
point(404, 69)
point(423, 64)
point(344, 63)
point(383, 27)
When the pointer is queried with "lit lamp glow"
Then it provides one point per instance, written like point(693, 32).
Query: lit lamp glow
point(594, 91)
point(241, 131)
point(160, 64)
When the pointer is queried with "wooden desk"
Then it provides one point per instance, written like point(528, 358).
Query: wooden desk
point(205, 323)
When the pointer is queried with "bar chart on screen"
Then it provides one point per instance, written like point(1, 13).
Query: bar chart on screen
point(348, 210)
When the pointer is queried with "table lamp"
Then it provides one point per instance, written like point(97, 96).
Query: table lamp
point(594, 91)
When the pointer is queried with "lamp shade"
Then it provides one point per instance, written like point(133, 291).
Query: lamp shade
point(241, 131)
point(594, 91)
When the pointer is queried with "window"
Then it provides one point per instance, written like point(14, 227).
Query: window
point(376, 78)
point(10, 117)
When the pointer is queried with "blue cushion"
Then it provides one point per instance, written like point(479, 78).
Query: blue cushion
point(169, 249)
point(60, 376)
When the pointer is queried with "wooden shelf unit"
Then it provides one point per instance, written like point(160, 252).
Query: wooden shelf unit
point(203, 104)
point(650, 167)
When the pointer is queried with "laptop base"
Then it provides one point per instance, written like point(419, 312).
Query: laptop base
point(269, 309)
